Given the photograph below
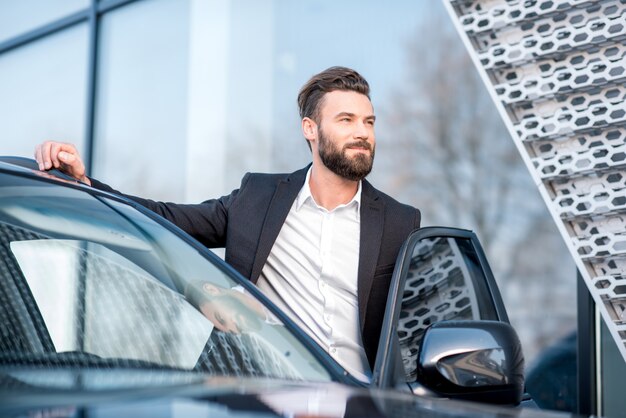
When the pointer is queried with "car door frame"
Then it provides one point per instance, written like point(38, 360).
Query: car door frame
point(388, 368)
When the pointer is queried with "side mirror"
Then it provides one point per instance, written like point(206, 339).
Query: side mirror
point(473, 360)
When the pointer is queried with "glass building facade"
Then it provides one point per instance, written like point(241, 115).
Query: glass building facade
point(177, 99)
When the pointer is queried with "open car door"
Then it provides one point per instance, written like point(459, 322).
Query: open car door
point(446, 331)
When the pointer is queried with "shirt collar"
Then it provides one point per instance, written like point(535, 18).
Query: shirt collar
point(305, 194)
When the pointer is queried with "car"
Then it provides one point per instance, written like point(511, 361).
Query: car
point(109, 310)
point(551, 379)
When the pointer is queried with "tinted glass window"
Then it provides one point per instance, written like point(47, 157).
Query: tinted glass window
point(445, 281)
point(87, 281)
point(17, 17)
point(131, 63)
point(43, 98)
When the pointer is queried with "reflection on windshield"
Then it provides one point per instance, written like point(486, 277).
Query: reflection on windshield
point(86, 275)
point(109, 318)
point(230, 310)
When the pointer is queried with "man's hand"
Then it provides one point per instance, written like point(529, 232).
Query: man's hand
point(63, 156)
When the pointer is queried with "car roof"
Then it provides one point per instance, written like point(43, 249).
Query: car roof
point(28, 165)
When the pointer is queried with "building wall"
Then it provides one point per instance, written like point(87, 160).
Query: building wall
point(177, 99)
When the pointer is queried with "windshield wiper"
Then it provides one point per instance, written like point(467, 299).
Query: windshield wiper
point(80, 359)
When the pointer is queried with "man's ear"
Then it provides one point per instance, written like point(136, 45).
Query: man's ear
point(309, 129)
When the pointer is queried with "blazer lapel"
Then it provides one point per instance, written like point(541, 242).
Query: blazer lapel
point(372, 214)
point(286, 192)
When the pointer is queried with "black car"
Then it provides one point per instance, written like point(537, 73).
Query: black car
point(106, 309)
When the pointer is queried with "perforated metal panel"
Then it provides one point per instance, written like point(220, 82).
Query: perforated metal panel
point(557, 72)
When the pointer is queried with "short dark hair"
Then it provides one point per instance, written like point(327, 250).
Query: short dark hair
point(331, 79)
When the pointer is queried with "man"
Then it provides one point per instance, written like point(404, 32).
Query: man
point(320, 242)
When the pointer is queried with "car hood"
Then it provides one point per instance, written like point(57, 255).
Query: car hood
point(121, 393)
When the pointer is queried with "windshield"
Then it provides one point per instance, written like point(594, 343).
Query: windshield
point(90, 282)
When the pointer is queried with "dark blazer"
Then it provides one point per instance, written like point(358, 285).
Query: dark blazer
point(247, 222)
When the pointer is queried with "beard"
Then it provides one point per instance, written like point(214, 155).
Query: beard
point(338, 161)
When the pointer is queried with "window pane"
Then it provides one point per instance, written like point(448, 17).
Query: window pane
point(141, 105)
point(42, 92)
point(17, 17)
point(444, 282)
point(271, 54)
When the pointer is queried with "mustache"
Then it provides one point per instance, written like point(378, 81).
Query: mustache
point(358, 144)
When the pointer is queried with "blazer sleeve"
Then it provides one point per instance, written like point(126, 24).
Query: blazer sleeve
point(207, 221)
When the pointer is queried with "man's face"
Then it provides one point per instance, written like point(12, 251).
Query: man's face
point(346, 141)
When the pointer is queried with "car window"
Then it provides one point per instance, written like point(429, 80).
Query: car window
point(444, 280)
point(89, 281)
point(72, 279)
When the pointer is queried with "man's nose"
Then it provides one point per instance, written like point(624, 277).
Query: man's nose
point(361, 130)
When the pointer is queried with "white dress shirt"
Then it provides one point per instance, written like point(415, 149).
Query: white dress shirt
point(311, 274)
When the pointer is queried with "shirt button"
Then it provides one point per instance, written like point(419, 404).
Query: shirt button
point(333, 350)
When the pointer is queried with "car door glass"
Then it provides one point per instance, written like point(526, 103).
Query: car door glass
point(444, 281)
